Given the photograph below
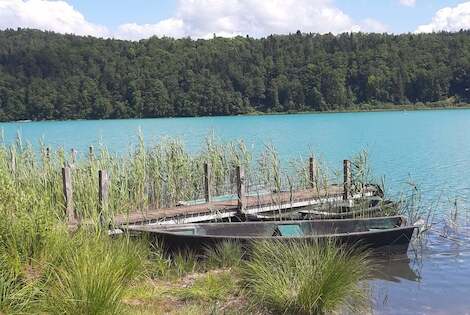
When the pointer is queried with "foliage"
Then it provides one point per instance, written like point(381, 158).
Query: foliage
point(44, 75)
point(306, 278)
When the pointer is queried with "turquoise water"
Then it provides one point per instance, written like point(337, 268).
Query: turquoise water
point(430, 147)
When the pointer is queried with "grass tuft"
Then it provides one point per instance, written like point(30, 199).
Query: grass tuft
point(224, 255)
point(94, 276)
point(306, 278)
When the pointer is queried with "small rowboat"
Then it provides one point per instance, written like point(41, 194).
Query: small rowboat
point(374, 233)
point(372, 207)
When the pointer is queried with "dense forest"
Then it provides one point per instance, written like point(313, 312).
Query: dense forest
point(44, 75)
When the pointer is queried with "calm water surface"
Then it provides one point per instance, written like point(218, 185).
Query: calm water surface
point(430, 147)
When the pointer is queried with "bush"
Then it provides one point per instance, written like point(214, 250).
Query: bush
point(305, 278)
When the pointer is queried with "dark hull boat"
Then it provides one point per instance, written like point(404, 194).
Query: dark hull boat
point(386, 233)
point(373, 207)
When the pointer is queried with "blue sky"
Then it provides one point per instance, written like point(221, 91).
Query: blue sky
point(115, 12)
point(398, 18)
point(137, 19)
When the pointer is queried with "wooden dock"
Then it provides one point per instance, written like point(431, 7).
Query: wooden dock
point(218, 210)
point(237, 208)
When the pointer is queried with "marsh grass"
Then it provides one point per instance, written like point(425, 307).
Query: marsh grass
point(17, 295)
point(94, 276)
point(46, 268)
point(307, 278)
point(224, 255)
point(158, 176)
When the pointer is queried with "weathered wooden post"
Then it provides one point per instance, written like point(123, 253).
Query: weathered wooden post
point(91, 155)
point(312, 171)
point(68, 195)
point(241, 189)
point(103, 192)
point(207, 182)
point(347, 179)
point(74, 156)
point(13, 161)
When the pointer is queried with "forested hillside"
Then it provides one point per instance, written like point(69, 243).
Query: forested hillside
point(51, 76)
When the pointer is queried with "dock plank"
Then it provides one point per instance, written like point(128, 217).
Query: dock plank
point(227, 208)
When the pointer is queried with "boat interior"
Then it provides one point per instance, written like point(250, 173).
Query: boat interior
point(279, 229)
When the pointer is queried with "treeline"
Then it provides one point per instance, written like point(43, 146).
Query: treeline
point(45, 75)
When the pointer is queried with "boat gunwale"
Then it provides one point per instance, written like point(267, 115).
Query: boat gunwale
point(306, 237)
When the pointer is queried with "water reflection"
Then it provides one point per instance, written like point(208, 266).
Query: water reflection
point(432, 278)
point(395, 269)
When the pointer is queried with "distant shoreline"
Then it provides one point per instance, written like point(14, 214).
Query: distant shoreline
point(395, 108)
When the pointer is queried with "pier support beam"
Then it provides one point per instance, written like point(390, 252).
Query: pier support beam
point(72, 221)
point(347, 179)
point(241, 189)
point(207, 182)
point(103, 193)
point(312, 172)
point(91, 154)
point(73, 154)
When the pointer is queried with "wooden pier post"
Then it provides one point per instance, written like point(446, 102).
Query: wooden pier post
point(68, 195)
point(74, 156)
point(91, 155)
point(103, 191)
point(241, 189)
point(207, 182)
point(347, 179)
point(312, 171)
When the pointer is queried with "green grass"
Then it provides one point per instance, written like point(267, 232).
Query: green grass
point(224, 255)
point(210, 287)
point(94, 276)
point(45, 268)
point(306, 278)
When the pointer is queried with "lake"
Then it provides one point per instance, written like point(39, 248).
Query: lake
point(431, 148)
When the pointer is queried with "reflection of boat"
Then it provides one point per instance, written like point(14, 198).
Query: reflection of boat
point(394, 270)
point(369, 207)
point(370, 232)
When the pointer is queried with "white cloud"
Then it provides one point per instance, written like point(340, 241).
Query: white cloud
point(448, 19)
point(56, 16)
point(194, 18)
point(203, 18)
point(372, 25)
point(170, 27)
point(408, 3)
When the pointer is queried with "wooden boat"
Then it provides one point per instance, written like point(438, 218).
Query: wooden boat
point(391, 232)
point(361, 212)
point(372, 207)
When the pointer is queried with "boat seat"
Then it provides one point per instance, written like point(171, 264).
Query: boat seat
point(288, 230)
point(184, 231)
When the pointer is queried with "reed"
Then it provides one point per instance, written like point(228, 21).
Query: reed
point(159, 176)
point(44, 267)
